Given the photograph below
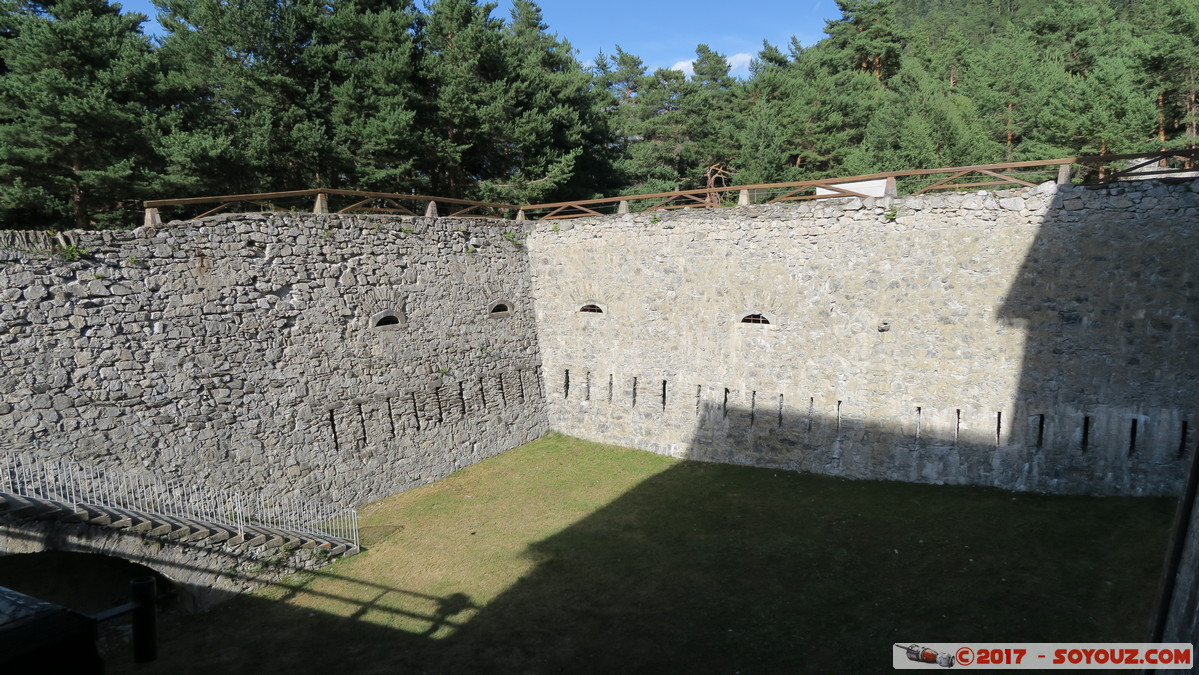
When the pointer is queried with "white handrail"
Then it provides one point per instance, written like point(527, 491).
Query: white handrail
point(75, 485)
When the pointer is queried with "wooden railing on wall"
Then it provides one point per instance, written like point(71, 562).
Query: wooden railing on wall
point(352, 201)
point(1087, 169)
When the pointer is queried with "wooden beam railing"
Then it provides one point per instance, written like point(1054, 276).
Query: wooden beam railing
point(1089, 169)
point(366, 202)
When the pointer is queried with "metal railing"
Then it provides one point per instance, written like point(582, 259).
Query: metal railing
point(76, 485)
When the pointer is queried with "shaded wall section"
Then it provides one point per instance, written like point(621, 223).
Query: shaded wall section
point(345, 357)
point(1038, 339)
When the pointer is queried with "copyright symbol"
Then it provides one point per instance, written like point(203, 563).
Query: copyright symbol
point(965, 656)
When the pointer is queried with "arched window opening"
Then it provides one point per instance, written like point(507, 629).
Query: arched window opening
point(591, 309)
point(500, 308)
point(755, 318)
point(388, 319)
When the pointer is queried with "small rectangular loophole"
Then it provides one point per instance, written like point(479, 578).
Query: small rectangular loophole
point(919, 414)
point(1182, 441)
point(1132, 436)
point(725, 405)
point(566, 384)
point(753, 406)
point(634, 392)
point(957, 424)
point(663, 394)
point(1040, 431)
point(1086, 433)
point(998, 429)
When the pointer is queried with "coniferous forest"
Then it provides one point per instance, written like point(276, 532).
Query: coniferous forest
point(446, 99)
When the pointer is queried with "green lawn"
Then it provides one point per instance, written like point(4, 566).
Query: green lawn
point(568, 556)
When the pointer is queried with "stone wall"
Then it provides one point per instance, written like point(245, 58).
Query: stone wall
point(1036, 339)
point(244, 351)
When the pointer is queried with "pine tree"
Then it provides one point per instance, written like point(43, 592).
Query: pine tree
point(75, 111)
point(868, 34)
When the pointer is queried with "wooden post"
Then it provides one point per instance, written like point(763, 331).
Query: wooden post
point(431, 210)
point(152, 218)
point(1063, 174)
point(743, 198)
point(889, 188)
point(623, 206)
point(322, 203)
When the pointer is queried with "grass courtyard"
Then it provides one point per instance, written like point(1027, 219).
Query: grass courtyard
point(569, 556)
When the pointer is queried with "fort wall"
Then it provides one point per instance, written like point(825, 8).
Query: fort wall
point(341, 357)
point(1035, 339)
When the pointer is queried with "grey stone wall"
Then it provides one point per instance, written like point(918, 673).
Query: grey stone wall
point(243, 352)
point(1035, 339)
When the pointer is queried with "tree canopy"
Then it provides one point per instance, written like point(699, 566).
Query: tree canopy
point(445, 98)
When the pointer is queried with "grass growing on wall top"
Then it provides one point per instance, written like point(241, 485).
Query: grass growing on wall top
point(568, 556)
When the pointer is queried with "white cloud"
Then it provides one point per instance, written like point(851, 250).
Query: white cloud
point(684, 66)
point(738, 65)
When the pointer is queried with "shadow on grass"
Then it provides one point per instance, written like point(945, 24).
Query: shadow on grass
point(714, 568)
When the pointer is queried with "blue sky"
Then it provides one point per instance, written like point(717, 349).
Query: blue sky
point(663, 33)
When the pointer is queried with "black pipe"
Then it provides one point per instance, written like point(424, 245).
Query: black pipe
point(145, 619)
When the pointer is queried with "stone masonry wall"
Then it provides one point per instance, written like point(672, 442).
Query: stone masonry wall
point(242, 351)
point(1036, 339)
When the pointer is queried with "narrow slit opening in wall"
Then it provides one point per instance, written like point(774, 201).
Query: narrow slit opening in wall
point(587, 386)
point(753, 406)
point(482, 393)
point(362, 423)
point(1132, 437)
point(838, 417)
point(724, 406)
point(663, 394)
point(391, 420)
point(462, 397)
point(440, 408)
point(1040, 431)
point(780, 410)
point(998, 429)
point(811, 411)
point(520, 385)
point(333, 428)
point(415, 410)
point(919, 412)
point(610, 377)
point(1182, 442)
point(634, 392)
point(566, 384)
point(499, 383)
point(1086, 432)
point(699, 392)
point(957, 424)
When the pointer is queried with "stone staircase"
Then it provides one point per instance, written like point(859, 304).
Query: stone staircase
point(180, 529)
